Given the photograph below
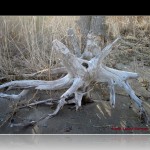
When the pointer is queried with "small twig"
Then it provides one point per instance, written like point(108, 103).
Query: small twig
point(32, 97)
point(47, 116)
point(47, 102)
point(34, 74)
point(61, 103)
point(98, 116)
point(32, 123)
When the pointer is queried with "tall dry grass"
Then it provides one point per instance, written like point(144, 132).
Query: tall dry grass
point(26, 41)
point(119, 24)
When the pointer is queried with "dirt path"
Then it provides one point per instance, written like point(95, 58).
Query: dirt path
point(94, 118)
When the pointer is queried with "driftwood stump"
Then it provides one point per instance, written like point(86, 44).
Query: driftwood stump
point(83, 70)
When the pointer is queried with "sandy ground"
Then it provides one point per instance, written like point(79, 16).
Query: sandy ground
point(93, 118)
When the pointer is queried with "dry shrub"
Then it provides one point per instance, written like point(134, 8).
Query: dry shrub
point(26, 41)
point(127, 24)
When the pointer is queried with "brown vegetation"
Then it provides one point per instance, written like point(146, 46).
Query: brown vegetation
point(26, 41)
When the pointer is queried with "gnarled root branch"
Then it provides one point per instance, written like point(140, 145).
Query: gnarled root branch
point(117, 77)
point(142, 112)
point(35, 84)
point(15, 97)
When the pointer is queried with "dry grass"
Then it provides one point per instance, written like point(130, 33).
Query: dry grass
point(120, 24)
point(26, 41)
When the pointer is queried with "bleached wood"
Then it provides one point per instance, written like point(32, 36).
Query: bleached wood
point(78, 99)
point(14, 96)
point(106, 50)
point(70, 61)
point(74, 41)
point(131, 92)
point(32, 123)
point(39, 84)
point(92, 49)
point(82, 72)
point(78, 82)
point(83, 26)
point(91, 24)
point(56, 84)
point(60, 105)
point(97, 26)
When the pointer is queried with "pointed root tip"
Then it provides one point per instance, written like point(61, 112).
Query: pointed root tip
point(112, 105)
point(2, 95)
point(118, 38)
point(78, 108)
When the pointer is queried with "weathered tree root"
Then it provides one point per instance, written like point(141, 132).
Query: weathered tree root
point(84, 70)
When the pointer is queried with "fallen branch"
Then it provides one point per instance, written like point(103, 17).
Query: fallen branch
point(25, 125)
point(48, 101)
